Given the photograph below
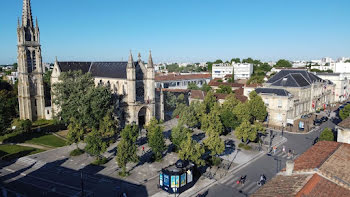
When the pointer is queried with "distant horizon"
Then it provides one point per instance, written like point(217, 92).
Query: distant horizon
point(185, 31)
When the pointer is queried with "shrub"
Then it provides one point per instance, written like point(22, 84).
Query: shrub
point(100, 161)
point(244, 146)
point(326, 135)
point(76, 152)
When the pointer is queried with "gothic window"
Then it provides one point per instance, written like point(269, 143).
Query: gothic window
point(140, 91)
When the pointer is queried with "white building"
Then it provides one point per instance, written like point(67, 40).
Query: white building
point(341, 67)
point(181, 81)
point(242, 70)
point(342, 85)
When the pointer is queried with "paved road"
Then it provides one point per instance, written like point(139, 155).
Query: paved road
point(267, 165)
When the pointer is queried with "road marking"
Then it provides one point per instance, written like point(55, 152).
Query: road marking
point(250, 186)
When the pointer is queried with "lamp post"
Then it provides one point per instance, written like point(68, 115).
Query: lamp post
point(282, 128)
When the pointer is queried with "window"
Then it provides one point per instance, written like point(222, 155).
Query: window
point(279, 104)
point(48, 112)
point(216, 71)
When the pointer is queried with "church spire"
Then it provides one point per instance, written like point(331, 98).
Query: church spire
point(130, 61)
point(27, 19)
point(150, 60)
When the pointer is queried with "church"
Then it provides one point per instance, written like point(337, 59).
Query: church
point(131, 80)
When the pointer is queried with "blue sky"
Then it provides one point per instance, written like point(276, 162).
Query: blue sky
point(182, 30)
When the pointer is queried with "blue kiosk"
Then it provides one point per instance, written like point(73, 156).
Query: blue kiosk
point(178, 177)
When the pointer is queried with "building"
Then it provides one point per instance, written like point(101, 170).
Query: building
point(30, 69)
point(133, 80)
point(181, 81)
point(12, 78)
point(292, 93)
point(215, 84)
point(341, 67)
point(241, 70)
point(322, 171)
point(342, 85)
point(343, 130)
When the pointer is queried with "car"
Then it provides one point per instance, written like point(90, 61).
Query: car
point(341, 107)
point(348, 102)
point(317, 122)
point(324, 119)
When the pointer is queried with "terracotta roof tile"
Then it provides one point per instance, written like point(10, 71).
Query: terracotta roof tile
point(318, 186)
point(345, 123)
point(315, 156)
point(197, 94)
point(337, 166)
point(174, 77)
point(283, 186)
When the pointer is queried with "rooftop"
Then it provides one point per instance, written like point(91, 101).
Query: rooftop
point(323, 170)
point(345, 123)
point(176, 77)
point(293, 78)
point(274, 91)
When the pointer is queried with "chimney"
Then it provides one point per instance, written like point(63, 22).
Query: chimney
point(289, 167)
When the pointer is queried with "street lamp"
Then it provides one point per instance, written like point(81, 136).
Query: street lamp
point(282, 128)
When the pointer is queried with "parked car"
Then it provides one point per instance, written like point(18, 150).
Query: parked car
point(317, 122)
point(306, 116)
point(324, 119)
point(341, 107)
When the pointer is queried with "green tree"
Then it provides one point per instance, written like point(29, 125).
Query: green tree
point(214, 143)
point(212, 122)
point(255, 79)
point(208, 102)
point(224, 89)
point(156, 138)
point(8, 105)
point(345, 112)
point(75, 132)
point(108, 125)
point(326, 135)
point(181, 99)
point(189, 117)
point(205, 87)
point(178, 135)
point(347, 61)
point(77, 97)
point(210, 66)
point(242, 112)
point(248, 132)
point(283, 63)
point(235, 60)
point(25, 126)
point(228, 119)
point(180, 107)
point(170, 101)
point(218, 61)
point(192, 86)
point(126, 148)
point(192, 151)
point(95, 144)
point(257, 107)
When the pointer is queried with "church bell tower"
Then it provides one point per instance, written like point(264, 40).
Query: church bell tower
point(30, 70)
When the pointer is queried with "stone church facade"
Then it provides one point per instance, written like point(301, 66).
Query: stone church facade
point(30, 69)
point(133, 81)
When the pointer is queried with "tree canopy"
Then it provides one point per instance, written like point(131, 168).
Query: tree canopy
point(345, 112)
point(77, 97)
point(8, 105)
point(192, 151)
point(224, 89)
point(248, 132)
point(283, 63)
point(156, 138)
point(178, 135)
point(326, 135)
point(257, 107)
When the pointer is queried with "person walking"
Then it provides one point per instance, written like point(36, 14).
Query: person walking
point(284, 149)
point(274, 149)
point(143, 150)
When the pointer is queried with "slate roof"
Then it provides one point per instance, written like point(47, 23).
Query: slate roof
point(293, 78)
point(98, 69)
point(323, 170)
point(275, 91)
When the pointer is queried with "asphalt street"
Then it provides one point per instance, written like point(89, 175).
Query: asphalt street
point(268, 165)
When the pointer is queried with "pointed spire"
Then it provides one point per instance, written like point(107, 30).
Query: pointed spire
point(27, 19)
point(150, 60)
point(36, 22)
point(139, 57)
point(130, 61)
point(56, 61)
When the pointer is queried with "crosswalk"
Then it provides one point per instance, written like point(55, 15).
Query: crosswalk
point(248, 187)
point(280, 154)
point(27, 161)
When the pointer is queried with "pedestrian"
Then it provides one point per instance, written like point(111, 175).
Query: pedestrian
point(289, 152)
point(274, 149)
point(143, 150)
point(284, 149)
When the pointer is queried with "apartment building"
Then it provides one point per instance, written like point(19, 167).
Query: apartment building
point(241, 70)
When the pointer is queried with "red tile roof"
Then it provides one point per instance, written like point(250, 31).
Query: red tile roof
point(174, 77)
point(322, 171)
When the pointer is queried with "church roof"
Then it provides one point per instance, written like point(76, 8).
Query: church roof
point(97, 69)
